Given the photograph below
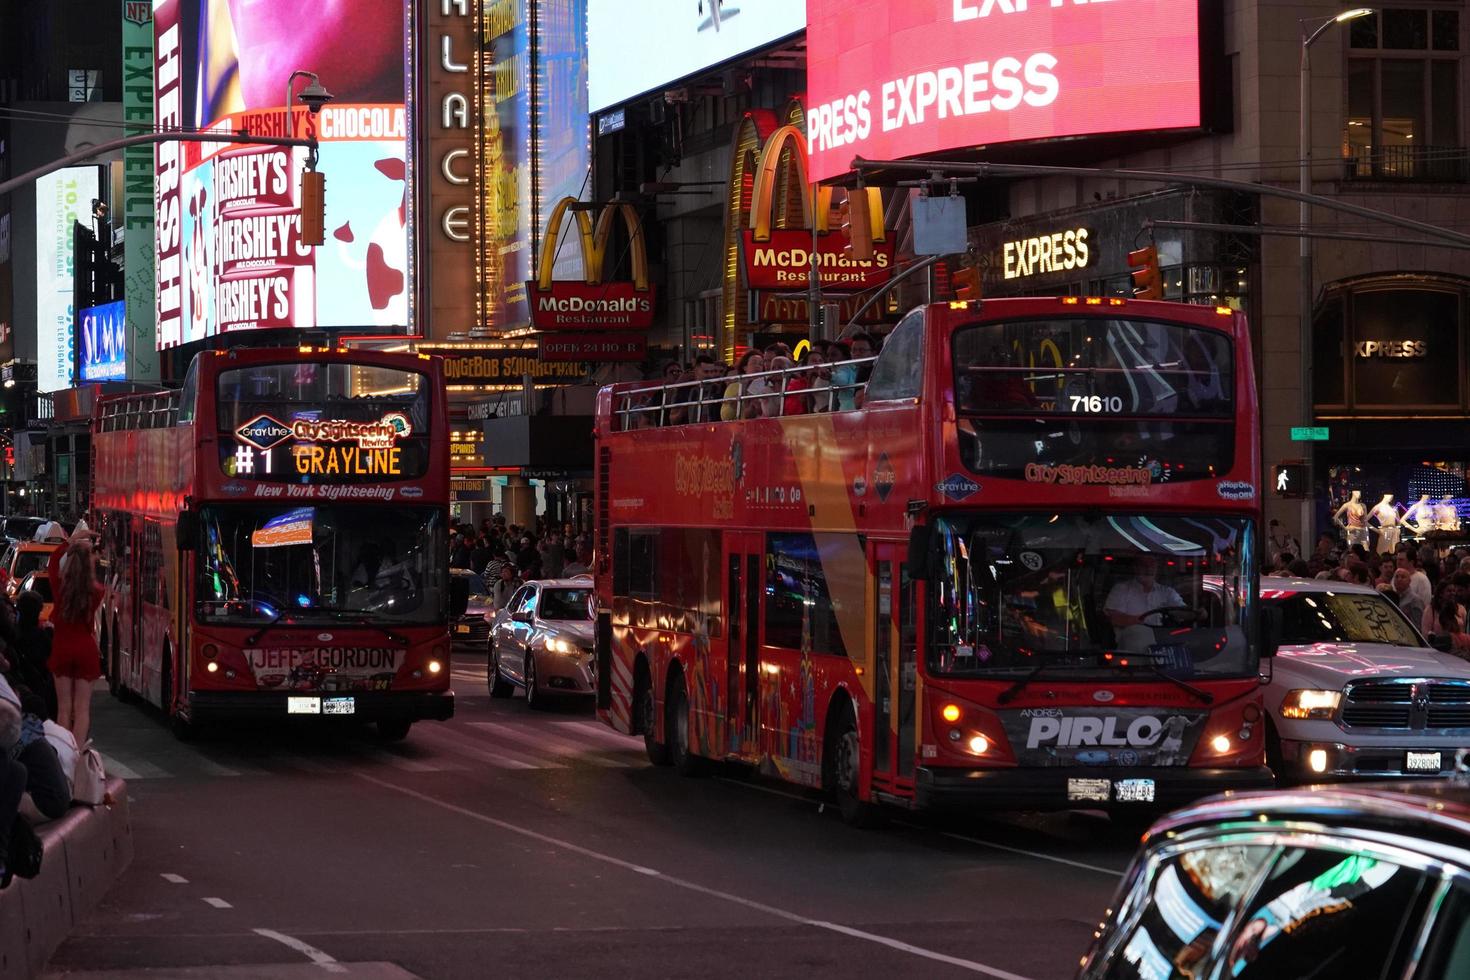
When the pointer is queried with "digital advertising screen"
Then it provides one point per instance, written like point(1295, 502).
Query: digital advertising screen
point(62, 199)
point(228, 237)
point(897, 78)
point(102, 342)
point(638, 46)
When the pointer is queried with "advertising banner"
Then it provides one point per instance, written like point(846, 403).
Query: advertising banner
point(506, 163)
point(62, 199)
point(897, 78)
point(102, 342)
point(505, 365)
point(563, 150)
point(578, 306)
point(593, 347)
point(228, 244)
point(137, 204)
point(640, 46)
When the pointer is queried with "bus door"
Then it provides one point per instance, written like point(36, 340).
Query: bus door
point(743, 550)
point(895, 669)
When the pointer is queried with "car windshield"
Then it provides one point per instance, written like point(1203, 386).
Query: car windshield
point(1341, 617)
point(29, 561)
point(22, 528)
point(565, 604)
point(323, 564)
point(1084, 594)
point(41, 586)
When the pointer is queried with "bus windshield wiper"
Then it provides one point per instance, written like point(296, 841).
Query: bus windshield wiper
point(1009, 694)
point(1205, 696)
point(362, 619)
point(254, 638)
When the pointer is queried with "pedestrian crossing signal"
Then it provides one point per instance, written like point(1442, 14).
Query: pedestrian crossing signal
point(1290, 480)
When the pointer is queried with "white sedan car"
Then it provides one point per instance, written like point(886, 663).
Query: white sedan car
point(542, 642)
point(1355, 691)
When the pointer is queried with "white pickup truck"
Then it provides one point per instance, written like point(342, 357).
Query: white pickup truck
point(1355, 691)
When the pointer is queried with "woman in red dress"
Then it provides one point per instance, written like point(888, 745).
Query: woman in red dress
point(75, 660)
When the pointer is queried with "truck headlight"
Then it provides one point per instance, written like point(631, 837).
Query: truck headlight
point(1306, 703)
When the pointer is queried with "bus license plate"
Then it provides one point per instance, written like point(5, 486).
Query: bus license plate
point(303, 706)
point(339, 706)
point(1422, 762)
point(1089, 790)
point(1134, 790)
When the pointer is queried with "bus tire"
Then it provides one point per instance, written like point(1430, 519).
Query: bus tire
point(842, 768)
point(499, 686)
point(646, 712)
point(676, 728)
point(393, 730)
point(182, 729)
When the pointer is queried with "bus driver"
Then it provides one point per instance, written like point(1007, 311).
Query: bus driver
point(1130, 602)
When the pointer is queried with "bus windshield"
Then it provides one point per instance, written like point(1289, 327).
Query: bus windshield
point(322, 565)
point(1088, 595)
point(1079, 391)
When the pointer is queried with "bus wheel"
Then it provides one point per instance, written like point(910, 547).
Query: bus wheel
point(676, 729)
point(393, 731)
point(842, 765)
point(499, 686)
point(643, 704)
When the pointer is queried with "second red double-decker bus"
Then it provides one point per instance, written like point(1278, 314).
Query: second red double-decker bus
point(275, 539)
point(1022, 574)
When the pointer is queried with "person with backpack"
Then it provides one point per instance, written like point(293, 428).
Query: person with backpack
point(75, 659)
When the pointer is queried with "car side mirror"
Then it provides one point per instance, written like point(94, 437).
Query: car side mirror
point(521, 617)
point(1442, 642)
point(1273, 624)
point(186, 533)
point(459, 596)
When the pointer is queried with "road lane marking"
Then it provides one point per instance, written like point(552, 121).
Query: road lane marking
point(218, 903)
point(498, 759)
point(321, 959)
point(604, 734)
point(688, 885)
point(409, 765)
point(174, 879)
point(138, 770)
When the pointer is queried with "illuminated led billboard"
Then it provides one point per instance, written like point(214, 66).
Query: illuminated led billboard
point(63, 198)
point(228, 234)
point(898, 78)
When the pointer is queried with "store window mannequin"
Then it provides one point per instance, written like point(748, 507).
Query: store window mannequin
point(1446, 516)
point(1385, 517)
point(1352, 517)
point(1420, 516)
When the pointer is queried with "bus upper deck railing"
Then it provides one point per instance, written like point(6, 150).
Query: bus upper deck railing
point(151, 410)
point(685, 402)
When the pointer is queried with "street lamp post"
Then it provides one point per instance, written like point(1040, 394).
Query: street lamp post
point(314, 96)
point(1304, 243)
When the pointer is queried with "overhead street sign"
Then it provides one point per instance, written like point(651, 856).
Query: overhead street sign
point(1309, 433)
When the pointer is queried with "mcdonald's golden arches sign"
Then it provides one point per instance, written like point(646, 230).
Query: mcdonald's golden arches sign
point(592, 304)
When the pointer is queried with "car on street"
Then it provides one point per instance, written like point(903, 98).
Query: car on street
point(39, 583)
point(542, 642)
point(22, 558)
point(1336, 880)
point(471, 632)
point(1355, 691)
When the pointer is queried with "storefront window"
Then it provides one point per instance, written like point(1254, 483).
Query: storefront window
point(1406, 349)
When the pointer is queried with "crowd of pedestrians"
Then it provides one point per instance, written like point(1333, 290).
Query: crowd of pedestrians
point(507, 555)
point(1430, 587)
point(46, 675)
point(828, 377)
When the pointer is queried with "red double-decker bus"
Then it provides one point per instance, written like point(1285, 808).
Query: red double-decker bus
point(1022, 574)
point(274, 536)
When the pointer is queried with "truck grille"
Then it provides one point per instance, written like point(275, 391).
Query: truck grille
point(1408, 705)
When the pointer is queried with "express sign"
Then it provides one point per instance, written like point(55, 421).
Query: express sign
point(895, 78)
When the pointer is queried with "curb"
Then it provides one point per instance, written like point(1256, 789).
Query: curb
point(86, 851)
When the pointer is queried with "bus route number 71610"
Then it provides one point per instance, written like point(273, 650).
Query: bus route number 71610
point(1097, 404)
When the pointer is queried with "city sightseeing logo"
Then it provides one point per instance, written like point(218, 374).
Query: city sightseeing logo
point(382, 434)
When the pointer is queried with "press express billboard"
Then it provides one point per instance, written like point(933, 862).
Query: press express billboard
point(228, 236)
point(898, 78)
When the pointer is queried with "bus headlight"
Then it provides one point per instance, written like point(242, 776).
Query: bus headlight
point(979, 744)
point(435, 666)
point(1306, 703)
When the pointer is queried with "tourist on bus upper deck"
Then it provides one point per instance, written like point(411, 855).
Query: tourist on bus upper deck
point(844, 378)
point(699, 402)
point(772, 405)
point(743, 397)
point(75, 659)
point(864, 345)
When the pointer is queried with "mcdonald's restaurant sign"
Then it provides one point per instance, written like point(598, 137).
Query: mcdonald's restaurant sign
point(593, 304)
point(777, 259)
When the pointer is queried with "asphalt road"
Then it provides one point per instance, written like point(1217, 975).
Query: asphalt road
point(509, 843)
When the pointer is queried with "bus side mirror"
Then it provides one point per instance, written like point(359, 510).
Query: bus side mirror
point(1273, 623)
point(186, 533)
point(918, 556)
point(459, 595)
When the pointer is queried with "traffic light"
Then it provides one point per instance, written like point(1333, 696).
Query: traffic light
point(1148, 282)
point(1290, 480)
point(966, 282)
point(313, 207)
point(857, 213)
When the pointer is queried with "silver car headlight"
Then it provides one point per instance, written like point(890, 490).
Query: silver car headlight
point(558, 645)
